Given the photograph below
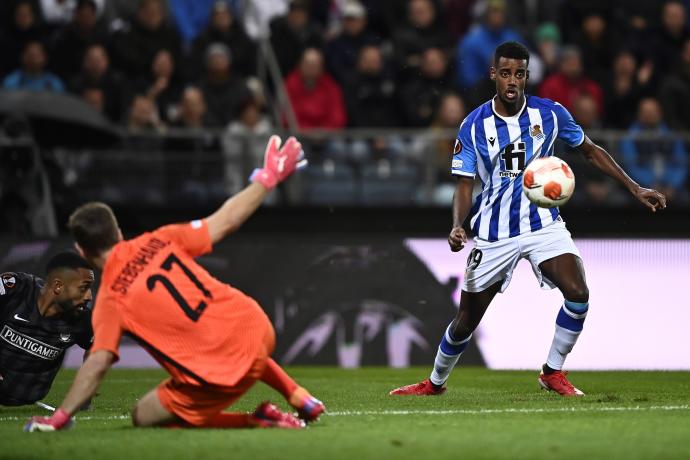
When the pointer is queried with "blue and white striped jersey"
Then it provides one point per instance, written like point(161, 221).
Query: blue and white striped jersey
point(497, 149)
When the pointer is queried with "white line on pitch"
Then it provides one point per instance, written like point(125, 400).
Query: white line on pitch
point(435, 412)
point(509, 410)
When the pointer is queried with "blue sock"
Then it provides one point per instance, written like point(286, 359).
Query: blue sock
point(449, 351)
point(569, 324)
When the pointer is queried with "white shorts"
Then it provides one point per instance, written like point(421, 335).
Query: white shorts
point(490, 262)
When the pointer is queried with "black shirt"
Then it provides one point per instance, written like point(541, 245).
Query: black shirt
point(32, 347)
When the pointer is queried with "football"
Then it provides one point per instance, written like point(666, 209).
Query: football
point(548, 182)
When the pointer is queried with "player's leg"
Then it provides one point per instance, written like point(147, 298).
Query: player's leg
point(308, 407)
point(457, 336)
point(489, 270)
point(454, 341)
point(567, 273)
point(150, 412)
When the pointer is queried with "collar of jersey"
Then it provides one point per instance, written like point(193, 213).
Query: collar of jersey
point(514, 117)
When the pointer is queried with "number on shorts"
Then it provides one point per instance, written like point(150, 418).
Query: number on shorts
point(474, 259)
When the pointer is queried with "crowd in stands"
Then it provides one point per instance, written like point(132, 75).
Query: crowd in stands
point(152, 64)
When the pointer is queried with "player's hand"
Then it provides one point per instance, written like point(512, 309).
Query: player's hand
point(279, 163)
point(457, 239)
point(651, 198)
point(60, 420)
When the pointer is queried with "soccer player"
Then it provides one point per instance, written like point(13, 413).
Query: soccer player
point(39, 320)
point(214, 341)
point(495, 142)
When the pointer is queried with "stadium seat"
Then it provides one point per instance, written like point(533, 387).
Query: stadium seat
point(330, 183)
point(388, 183)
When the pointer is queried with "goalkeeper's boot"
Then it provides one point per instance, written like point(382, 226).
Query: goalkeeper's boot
point(423, 388)
point(558, 382)
point(308, 407)
point(268, 415)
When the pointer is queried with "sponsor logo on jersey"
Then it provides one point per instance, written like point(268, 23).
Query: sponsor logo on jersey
point(29, 344)
point(509, 174)
point(457, 164)
point(535, 131)
point(19, 318)
point(457, 147)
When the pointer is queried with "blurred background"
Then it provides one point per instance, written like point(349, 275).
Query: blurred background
point(163, 108)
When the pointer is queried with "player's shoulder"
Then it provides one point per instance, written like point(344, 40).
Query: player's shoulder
point(478, 114)
point(16, 281)
point(537, 102)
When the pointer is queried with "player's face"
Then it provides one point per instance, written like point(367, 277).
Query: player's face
point(510, 76)
point(75, 293)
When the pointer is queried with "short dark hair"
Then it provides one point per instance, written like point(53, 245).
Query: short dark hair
point(511, 50)
point(66, 259)
point(94, 227)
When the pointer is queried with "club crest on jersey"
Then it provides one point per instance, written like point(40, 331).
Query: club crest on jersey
point(535, 131)
point(65, 337)
point(457, 147)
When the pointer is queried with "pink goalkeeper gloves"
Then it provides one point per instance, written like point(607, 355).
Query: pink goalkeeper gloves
point(58, 421)
point(279, 163)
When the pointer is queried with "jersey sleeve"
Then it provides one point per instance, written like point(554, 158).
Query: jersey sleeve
point(107, 326)
point(464, 157)
point(568, 131)
point(85, 336)
point(193, 237)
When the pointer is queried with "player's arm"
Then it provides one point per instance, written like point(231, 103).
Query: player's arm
point(601, 159)
point(279, 163)
point(83, 388)
point(462, 203)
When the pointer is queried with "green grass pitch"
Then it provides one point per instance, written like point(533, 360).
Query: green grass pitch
point(484, 415)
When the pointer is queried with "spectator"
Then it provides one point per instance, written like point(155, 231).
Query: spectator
point(370, 92)
point(224, 92)
point(548, 41)
point(568, 83)
point(315, 96)
point(475, 52)
point(96, 73)
point(668, 42)
point(94, 97)
point(458, 16)
point(586, 112)
point(258, 14)
point(136, 44)
point(421, 95)
point(57, 13)
point(661, 161)
point(624, 88)
point(24, 29)
point(245, 136)
point(73, 39)
point(224, 28)
point(143, 116)
point(342, 52)
point(451, 111)
point(192, 112)
point(292, 34)
point(597, 43)
point(163, 85)
point(191, 17)
point(421, 32)
point(32, 75)
point(675, 93)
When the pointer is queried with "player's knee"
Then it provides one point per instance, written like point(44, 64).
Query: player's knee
point(577, 293)
point(136, 418)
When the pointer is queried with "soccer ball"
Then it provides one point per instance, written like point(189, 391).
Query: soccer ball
point(548, 182)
